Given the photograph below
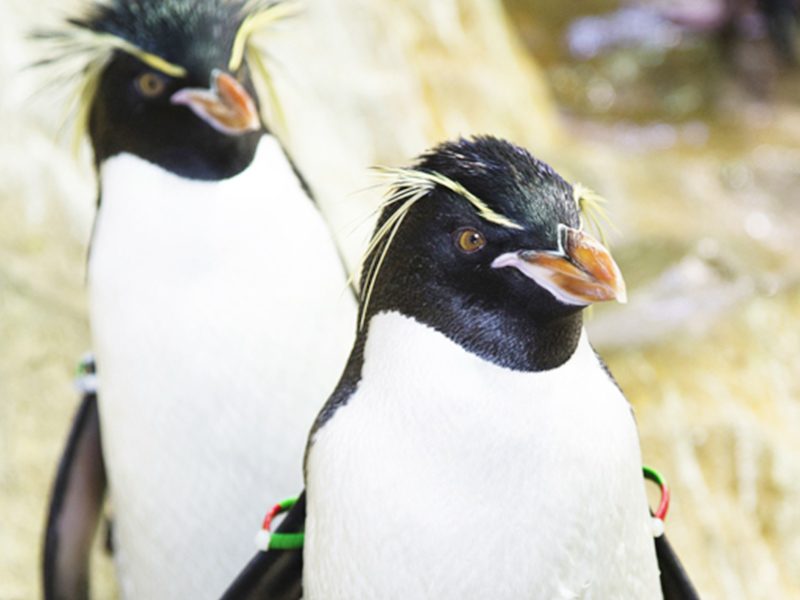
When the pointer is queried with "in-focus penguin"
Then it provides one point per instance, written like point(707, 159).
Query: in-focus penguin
point(476, 446)
point(219, 307)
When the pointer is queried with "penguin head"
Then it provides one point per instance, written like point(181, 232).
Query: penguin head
point(479, 237)
point(173, 84)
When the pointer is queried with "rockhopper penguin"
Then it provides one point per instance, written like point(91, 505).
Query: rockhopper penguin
point(476, 446)
point(219, 307)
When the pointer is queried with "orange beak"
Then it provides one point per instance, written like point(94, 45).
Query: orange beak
point(581, 272)
point(227, 106)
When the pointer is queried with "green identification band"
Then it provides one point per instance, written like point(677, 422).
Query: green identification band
point(266, 540)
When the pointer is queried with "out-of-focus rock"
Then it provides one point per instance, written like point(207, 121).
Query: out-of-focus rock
point(719, 414)
point(691, 294)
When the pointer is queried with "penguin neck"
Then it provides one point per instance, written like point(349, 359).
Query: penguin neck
point(508, 336)
point(181, 222)
point(510, 339)
point(190, 150)
point(267, 153)
point(514, 339)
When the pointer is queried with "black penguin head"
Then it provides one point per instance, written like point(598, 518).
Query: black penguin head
point(174, 86)
point(482, 241)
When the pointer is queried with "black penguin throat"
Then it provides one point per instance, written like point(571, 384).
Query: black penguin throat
point(521, 328)
point(509, 339)
point(208, 159)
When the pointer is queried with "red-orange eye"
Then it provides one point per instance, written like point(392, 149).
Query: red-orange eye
point(150, 84)
point(469, 240)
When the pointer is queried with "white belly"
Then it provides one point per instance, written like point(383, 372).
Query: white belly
point(448, 477)
point(221, 322)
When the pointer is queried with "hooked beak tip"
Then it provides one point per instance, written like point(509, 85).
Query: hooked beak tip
point(226, 105)
point(582, 273)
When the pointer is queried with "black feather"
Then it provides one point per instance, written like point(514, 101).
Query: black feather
point(193, 34)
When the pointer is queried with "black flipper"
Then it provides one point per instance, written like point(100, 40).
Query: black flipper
point(278, 574)
point(275, 574)
point(675, 583)
point(75, 508)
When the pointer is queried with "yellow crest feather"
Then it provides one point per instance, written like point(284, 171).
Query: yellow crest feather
point(427, 180)
point(257, 21)
point(97, 48)
point(591, 207)
point(408, 186)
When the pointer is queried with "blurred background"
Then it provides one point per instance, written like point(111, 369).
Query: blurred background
point(684, 115)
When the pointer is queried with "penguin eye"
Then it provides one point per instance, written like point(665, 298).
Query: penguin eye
point(150, 85)
point(469, 240)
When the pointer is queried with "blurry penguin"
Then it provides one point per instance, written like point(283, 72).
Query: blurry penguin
point(219, 306)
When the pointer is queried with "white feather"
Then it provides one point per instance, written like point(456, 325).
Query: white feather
point(220, 320)
point(446, 476)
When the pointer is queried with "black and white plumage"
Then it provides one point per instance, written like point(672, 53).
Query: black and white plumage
point(219, 307)
point(476, 446)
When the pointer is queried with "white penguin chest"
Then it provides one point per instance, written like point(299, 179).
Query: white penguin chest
point(445, 476)
point(214, 287)
point(220, 321)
